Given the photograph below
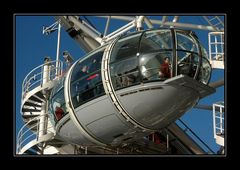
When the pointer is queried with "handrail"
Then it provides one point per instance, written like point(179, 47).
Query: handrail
point(216, 49)
point(24, 136)
point(218, 118)
point(37, 75)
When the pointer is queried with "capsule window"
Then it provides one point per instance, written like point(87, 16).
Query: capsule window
point(58, 105)
point(186, 43)
point(86, 80)
point(125, 47)
point(125, 73)
point(156, 40)
point(156, 55)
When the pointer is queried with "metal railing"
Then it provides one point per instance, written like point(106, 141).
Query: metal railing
point(218, 119)
point(35, 77)
point(26, 134)
point(216, 49)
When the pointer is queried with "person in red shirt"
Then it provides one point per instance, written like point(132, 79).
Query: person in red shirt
point(59, 113)
point(165, 71)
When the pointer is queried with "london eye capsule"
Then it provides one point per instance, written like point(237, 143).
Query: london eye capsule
point(126, 89)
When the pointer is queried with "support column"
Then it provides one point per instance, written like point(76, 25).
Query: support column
point(43, 119)
point(58, 48)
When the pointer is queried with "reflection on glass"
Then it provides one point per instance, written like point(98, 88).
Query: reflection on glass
point(156, 40)
point(57, 104)
point(86, 81)
point(126, 47)
point(186, 42)
point(205, 71)
point(187, 63)
point(156, 55)
point(125, 73)
point(124, 62)
point(153, 66)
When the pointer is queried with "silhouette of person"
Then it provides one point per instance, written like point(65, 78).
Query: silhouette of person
point(165, 71)
point(84, 69)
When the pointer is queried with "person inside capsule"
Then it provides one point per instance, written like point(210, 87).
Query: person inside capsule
point(59, 113)
point(165, 71)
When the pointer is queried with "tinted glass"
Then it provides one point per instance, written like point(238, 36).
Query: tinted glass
point(86, 81)
point(125, 47)
point(156, 55)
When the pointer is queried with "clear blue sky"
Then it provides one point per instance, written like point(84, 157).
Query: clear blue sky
point(32, 46)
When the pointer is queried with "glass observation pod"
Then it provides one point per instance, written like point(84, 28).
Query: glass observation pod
point(131, 87)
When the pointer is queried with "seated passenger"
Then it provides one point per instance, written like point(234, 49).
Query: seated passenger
point(165, 71)
point(127, 81)
point(59, 113)
point(186, 66)
point(95, 65)
point(129, 77)
point(118, 80)
point(84, 70)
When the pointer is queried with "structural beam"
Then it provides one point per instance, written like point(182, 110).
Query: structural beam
point(217, 84)
point(158, 22)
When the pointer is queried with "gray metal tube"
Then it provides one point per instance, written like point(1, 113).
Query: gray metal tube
point(177, 131)
point(217, 84)
point(206, 107)
point(175, 24)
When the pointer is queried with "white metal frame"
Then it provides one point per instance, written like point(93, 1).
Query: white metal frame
point(218, 122)
point(36, 75)
point(109, 90)
point(96, 38)
point(164, 22)
point(27, 134)
point(216, 49)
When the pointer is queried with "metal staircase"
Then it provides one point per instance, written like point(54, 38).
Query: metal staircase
point(36, 89)
point(29, 137)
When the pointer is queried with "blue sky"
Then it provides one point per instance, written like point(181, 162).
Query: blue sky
point(32, 46)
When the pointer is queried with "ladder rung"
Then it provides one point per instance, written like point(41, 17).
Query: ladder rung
point(32, 104)
point(217, 43)
point(30, 110)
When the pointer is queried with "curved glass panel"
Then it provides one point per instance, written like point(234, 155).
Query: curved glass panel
point(205, 71)
point(186, 42)
point(204, 51)
point(125, 47)
point(86, 81)
point(156, 55)
point(156, 40)
point(154, 66)
point(187, 63)
point(153, 56)
point(188, 56)
point(58, 86)
point(125, 73)
point(124, 62)
point(57, 101)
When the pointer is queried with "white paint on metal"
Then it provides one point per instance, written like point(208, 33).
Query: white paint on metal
point(67, 96)
point(109, 90)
